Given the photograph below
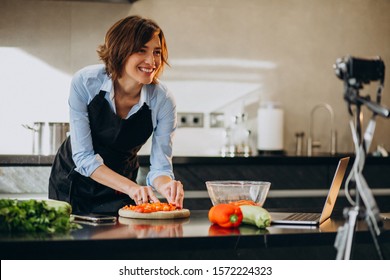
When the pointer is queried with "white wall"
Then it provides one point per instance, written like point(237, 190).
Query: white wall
point(222, 54)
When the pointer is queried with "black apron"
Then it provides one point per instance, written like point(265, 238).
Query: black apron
point(117, 141)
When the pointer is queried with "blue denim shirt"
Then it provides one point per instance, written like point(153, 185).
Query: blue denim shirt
point(86, 84)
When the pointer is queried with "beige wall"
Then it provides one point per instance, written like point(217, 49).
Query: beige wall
point(281, 51)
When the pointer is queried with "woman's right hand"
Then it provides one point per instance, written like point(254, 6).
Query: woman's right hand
point(142, 194)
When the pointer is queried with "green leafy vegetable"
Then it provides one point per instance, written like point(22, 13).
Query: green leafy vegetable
point(34, 216)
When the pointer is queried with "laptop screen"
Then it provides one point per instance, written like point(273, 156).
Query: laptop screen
point(334, 189)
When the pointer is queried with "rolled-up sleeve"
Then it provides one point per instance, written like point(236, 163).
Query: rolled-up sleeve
point(83, 154)
point(161, 153)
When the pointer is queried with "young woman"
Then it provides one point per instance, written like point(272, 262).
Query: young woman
point(114, 108)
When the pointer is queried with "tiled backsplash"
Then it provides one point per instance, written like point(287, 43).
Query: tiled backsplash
point(24, 179)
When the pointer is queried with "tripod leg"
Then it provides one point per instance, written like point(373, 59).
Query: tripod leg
point(340, 242)
point(344, 238)
point(353, 214)
point(374, 238)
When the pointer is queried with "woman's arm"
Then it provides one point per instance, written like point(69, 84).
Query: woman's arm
point(83, 84)
point(140, 194)
point(161, 175)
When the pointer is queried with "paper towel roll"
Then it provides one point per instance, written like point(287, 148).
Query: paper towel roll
point(270, 128)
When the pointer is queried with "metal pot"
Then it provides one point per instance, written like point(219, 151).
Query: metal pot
point(47, 136)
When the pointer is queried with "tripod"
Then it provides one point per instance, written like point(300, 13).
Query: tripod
point(369, 210)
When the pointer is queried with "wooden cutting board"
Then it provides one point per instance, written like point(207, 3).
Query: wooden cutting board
point(159, 215)
point(152, 223)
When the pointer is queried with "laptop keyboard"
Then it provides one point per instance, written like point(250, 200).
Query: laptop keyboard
point(303, 217)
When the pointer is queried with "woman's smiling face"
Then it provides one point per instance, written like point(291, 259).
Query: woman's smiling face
point(143, 65)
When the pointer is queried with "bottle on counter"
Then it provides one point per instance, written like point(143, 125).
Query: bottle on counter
point(270, 122)
point(236, 138)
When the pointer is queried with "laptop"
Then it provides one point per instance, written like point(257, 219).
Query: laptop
point(316, 219)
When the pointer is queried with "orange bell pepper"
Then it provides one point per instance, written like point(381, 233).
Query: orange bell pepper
point(225, 215)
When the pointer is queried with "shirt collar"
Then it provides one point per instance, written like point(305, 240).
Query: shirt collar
point(108, 86)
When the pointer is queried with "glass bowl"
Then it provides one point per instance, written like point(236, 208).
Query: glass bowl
point(231, 191)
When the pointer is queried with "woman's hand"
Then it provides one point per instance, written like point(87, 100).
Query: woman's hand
point(142, 194)
point(172, 190)
point(107, 177)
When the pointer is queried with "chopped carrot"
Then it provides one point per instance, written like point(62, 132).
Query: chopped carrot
point(243, 202)
point(151, 207)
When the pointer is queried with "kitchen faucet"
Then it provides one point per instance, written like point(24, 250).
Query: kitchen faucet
point(316, 144)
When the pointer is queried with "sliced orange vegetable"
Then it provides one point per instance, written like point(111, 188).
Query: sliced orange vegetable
point(151, 207)
point(243, 202)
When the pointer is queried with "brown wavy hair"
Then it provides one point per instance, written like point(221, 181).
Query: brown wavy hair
point(126, 37)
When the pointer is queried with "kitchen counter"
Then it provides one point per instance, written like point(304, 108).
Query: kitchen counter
point(191, 238)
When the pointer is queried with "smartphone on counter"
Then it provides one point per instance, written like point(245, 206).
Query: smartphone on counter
point(94, 218)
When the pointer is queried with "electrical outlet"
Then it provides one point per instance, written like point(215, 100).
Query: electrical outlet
point(190, 119)
point(217, 119)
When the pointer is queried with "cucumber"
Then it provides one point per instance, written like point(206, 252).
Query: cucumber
point(255, 215)
point(59, 205)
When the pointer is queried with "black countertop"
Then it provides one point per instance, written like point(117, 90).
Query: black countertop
point(191, 238)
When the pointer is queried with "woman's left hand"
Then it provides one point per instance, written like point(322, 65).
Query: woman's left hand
point(173, 191)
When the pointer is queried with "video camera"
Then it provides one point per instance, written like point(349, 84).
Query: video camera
point(357, 71)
